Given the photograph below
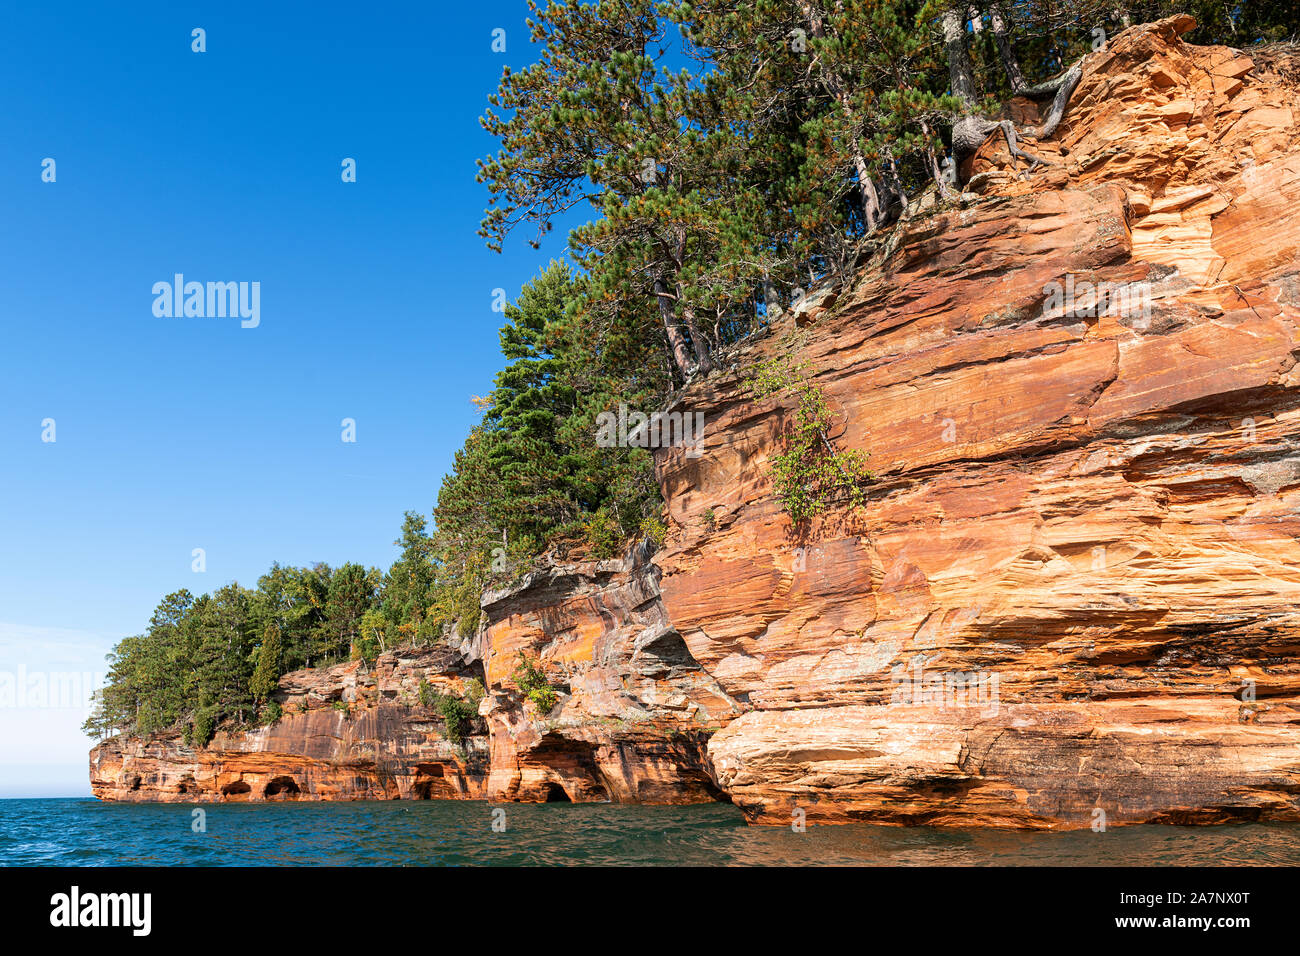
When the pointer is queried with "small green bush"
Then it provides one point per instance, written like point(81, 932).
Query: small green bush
point(427, 697)
point(533, 682)
point(458, 714)
point(655, 530)
point(809, 475)
point(272, 712)
point(205, 724)
point(475, 692)
point(602, 534)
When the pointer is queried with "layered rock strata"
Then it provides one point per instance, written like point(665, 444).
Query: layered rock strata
point(631, 724)
point(1074, 592)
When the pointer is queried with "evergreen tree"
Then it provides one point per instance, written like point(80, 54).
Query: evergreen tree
point(598, 120)
point(223, 655)
point(266, 672)
point(532, 474)
point(353, 590)
point(408, 586)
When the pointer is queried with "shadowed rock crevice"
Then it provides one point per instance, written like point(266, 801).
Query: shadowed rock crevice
point(281, 788)
point(556, 794)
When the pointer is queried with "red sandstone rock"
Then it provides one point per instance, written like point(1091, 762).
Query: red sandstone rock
point(631, 725)
point(1101, 512)
point(634, 707)
point(383, 746)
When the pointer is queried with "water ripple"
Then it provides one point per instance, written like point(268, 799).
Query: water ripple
point(458, 833)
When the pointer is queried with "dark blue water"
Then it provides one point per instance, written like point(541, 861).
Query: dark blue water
point(90, 833)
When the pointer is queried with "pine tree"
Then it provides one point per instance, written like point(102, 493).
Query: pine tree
point(223, 655)
point(599, 121)
point(353, 590)
point(534, 393)
point(266, 673)
point(408, 585)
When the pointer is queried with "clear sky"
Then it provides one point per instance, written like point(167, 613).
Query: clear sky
point(179, 433)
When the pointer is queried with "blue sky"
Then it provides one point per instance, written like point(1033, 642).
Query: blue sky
point(181, 433)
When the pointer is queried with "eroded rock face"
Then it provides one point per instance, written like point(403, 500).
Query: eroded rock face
point(1098, 512)
point(631, 723)
point(635, 709)
point(346, 734)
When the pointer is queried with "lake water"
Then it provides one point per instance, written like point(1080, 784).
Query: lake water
point(85, 832)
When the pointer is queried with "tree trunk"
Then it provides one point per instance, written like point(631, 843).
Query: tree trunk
point(961, 73)
point(945, 190)
point(870, 199)
point(1010, 65)
point(676, 339)
point(769, 298)
point(702, 357)
point(871, 211)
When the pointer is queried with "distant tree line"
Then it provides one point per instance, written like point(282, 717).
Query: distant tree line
point(216, 658)
point(529, 476)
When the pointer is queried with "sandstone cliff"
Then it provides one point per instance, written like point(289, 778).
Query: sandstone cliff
point(1098, 512)
point(631, 725)
point(1073, 589)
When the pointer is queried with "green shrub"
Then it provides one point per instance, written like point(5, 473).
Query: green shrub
point(272, 712)
point(457, 591)
point(205, 724)
point(458, 714)
point(655, 530)
point(475, 692)
point(809, 475)
point(603, 535)
point(533, 683)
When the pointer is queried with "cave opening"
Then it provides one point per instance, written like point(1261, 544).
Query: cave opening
point(555, 794)
point(284, 788)
point(429, 777)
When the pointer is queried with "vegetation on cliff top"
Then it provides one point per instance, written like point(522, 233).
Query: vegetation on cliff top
point(730, 154)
